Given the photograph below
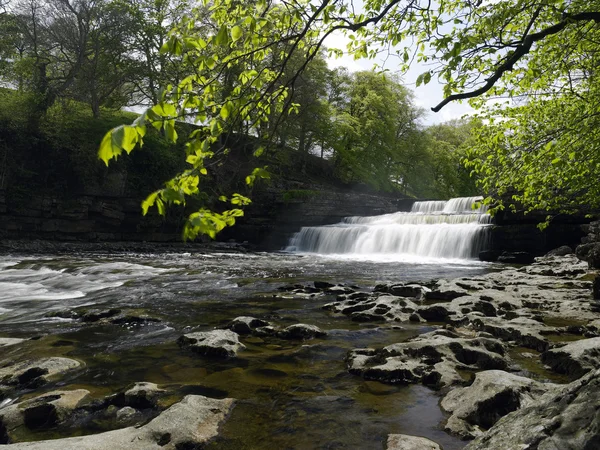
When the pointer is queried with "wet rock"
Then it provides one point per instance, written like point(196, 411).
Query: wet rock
point(445, 291)
point(189, 424)
point(407, 442)
point(32, 374)
point(96, 315)
point(246, 324)
point(127, 416)
point(432, 359)
point(5, 342)
point(218, 343)
point(143, 395)
point(301, 331)
point(566, 418)
point(557, 266)
point(133, 319)
point(560, 251)
point(574, 359)
point(403, 290)
point(43, 412)
point(377, 308)
point(323, 285)
point(265, 331)
point(516, 258)
point(493, 394)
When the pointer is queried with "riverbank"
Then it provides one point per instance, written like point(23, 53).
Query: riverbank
point(494, 342)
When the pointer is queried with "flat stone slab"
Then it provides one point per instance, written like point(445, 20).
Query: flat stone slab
point(432, 359)
point(218, 343)
point(192, 422)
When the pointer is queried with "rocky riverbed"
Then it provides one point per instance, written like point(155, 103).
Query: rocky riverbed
point(510, 354)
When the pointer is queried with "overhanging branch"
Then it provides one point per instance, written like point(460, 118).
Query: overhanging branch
point(522, 49)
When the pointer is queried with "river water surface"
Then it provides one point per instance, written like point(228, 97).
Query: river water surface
point(291, 395)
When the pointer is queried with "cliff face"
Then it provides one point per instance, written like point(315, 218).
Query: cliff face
point(516, 232)
point(269, 222)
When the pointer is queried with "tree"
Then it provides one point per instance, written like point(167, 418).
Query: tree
point(480, 50)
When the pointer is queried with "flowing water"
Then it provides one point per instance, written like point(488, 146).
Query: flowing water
point(435, 229)
point(291, 395)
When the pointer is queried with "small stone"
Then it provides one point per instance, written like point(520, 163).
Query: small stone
point(301, 331)
point(406, 442)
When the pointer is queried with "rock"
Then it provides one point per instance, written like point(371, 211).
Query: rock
point(406, 442)
point(405, 290)
point(246, 324)
point(523, 331)
point(323, 285)
point(32, 374)
point(445, 291)
point(143, 395)
point(560, 251)
point(189, 424)
point(493, 394)
point(5, 342)
point(97, 315)
point(590, 253)
point(596, 288)
point(574, 359)
point(127, 416)
point(565, 418)
point(516, 258)
point(432, 359)
point(489, 256)
point(43, 412)
point(301, 331)
point(218, 343)
point(377, 308)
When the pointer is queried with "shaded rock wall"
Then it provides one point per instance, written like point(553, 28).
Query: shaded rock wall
point(273, 218)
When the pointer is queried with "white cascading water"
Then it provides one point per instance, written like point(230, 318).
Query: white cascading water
point(433, 229)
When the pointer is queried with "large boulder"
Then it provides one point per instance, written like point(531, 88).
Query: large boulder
point(574, 359)
point(493, 394)
point(217, 343)
point(433, 359)
point(565, 418)
point(189, 424)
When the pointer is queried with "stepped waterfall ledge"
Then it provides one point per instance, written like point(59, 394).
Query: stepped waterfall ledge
point(432, 229)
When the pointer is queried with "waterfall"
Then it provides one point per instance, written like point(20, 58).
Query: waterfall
point(432, 229)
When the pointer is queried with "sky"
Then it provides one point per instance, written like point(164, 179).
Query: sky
point(426, 96)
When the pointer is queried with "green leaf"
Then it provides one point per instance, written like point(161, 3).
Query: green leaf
point(236, 33)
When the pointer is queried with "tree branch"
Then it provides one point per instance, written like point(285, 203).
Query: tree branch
point(522, 49)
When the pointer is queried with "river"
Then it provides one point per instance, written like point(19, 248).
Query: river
point(291, 395)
